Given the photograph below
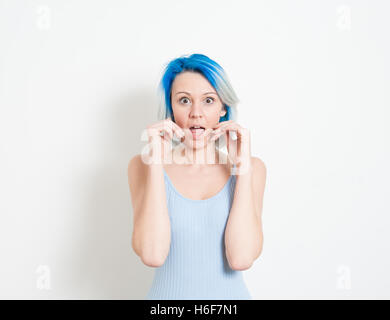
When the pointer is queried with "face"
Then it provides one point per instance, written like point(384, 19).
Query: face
point(195, 103)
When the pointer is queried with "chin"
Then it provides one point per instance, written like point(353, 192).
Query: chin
point(196, 143)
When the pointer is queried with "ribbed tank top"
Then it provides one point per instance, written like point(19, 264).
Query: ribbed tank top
point(196, 267)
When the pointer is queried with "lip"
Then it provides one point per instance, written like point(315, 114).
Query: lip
point(194, 134)
point(197, 125)
point(197, 133)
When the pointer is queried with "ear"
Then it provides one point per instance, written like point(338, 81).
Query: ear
point(223, 112)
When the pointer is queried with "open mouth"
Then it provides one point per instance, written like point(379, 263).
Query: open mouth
point(197, 131)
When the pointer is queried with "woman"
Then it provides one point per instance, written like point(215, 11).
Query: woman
point(197, 210)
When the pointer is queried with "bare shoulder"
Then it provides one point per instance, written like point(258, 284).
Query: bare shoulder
point(259, 168)
point(136, 161)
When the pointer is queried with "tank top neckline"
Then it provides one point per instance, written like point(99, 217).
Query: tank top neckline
point(214, 197)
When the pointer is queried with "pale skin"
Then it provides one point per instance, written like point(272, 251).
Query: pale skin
point(195, 101)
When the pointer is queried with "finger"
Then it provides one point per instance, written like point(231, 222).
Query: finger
point(208, 133)
point(234, 128)
point(229, 123)
point(231, 133)
point(230, 140)
point(222, 123)
point(227, 142)
point(178, 131)
point(225, 127)
point(166, 132)
point(165, 136)
point(217, 135)
point(176, 128)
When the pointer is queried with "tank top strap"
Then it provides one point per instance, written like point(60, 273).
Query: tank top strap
point(171, 190)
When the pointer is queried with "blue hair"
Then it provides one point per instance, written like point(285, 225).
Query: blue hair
point(211, 70)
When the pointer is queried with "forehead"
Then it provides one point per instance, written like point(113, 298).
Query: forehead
point(191, 82)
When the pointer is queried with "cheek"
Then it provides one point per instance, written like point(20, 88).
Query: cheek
point(180, 115)
point(213, 116)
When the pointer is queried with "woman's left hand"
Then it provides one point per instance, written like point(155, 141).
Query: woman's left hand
point(239, 150)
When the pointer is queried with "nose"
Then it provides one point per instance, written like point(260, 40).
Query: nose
point(196, 110)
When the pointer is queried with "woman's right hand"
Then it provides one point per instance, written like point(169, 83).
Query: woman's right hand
point(161, 133)
point(166, 127)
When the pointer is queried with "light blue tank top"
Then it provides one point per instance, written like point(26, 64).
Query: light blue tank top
point(196, 267)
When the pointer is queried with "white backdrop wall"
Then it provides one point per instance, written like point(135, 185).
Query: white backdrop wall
point(77, 87)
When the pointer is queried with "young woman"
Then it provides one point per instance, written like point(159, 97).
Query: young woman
point(197, 210)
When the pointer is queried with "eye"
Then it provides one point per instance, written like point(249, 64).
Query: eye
point(212, 99)
point(183, 98)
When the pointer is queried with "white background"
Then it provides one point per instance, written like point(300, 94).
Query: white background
point(78, 85)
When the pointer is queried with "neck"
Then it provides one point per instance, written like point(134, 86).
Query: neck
point(197, 157)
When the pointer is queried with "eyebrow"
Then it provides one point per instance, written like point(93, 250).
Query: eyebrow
point(190, 94)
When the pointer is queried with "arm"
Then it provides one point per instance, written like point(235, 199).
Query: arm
point(151, 227)
point(243, 234)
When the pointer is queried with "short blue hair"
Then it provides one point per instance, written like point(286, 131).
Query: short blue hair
point(211, 70)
